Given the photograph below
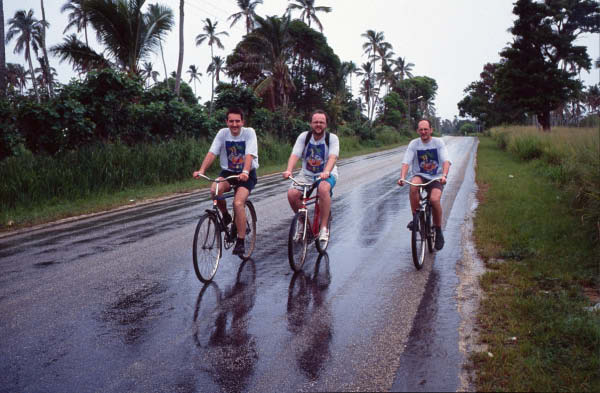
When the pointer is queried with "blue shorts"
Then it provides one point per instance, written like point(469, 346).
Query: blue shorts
point(311, 179)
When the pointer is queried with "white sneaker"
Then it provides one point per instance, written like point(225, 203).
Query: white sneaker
point(324, 235)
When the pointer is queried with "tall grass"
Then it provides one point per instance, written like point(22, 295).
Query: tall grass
point(568, 156)
point(28, 180)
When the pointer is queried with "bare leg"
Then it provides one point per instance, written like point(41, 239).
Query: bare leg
point(436, 206)
point(223, 188)
point(295, 199)
point(415, 196)
point(239, 211)
point(324, 202)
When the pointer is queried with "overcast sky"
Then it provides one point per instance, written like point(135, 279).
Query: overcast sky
point(447, 40)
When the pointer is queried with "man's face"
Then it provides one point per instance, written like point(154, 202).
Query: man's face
point(424, 130)
point(235, 123)
point(318, 123)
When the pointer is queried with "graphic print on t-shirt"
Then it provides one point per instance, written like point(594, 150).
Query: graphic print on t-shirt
point(235, 155)
point(315, 158)
point(428, 161)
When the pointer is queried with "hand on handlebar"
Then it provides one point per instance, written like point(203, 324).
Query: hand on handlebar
point(401, 182)
point(286, 174)
point(324, 175)
point(198, 174)
point(243, 176)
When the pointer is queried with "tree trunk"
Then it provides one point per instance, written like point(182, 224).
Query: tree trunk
point(3, 72)
point(33, 81)
point(544, 120)
point(180, 62)
point(164, 64)
point(47, 62)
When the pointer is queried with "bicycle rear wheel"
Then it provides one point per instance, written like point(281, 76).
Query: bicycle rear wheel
point(207, 247)
point(250, 230)
point(418, 239)
point(298, 241)
point(322, 246)
point(429, 230)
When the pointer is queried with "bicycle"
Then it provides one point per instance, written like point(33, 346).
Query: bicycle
point(422, 231)
point(304, 229)
point(212, 234)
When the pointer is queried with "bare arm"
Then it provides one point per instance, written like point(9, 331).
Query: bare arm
point(247, 166)
point(329, 166)
point(403, 173)
point(290, 166)
point(445, 169)
point(206, 163)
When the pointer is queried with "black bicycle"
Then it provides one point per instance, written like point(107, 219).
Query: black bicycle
point(422, 228)
point(212, 234)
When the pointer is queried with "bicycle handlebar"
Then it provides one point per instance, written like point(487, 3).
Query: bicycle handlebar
point(301, 184)
point(422, 184)
point(217, 180)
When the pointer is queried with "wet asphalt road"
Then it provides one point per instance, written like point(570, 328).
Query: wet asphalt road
point(111, 303)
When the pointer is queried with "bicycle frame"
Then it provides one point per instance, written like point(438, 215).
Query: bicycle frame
point(216, 197)
point(308, 200)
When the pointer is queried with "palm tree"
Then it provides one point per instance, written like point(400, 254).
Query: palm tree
point(16, 76)
point(268, 50)
point(308, 11)
point(46, 63)
point(157, 11)
point(211, 36)
point(78, 19)
point(194, 75)
point(180, 59)
point(128, 34)
point(27, 29)
point(82, 57)
point(403, 69)
point(3, 70)
point(216, 67)
point(247, 11)
point(146, 72)
point(375, 41)
point(45, 74)
point(348, 69)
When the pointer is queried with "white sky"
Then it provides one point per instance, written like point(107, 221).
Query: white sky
point(447, 40)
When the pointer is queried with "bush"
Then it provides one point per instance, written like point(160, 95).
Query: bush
point(526, 147)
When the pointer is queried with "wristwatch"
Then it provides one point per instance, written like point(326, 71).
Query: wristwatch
point(246, 172)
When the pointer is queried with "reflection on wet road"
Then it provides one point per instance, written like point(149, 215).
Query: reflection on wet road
point(111, 303)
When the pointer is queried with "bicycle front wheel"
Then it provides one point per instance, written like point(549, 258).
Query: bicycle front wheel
point(298, 241)
point(418, 239)
point(207, 248)
point(429, 230)
point(250, 230)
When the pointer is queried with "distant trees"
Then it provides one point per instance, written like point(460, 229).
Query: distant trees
point(211, 36)
point(247, 12)
point(309, 11)
point(537, 73)
point(27, 31)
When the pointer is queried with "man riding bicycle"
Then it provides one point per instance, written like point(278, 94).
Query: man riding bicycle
point(319, 151)
point(425, 154)
point(237, 149)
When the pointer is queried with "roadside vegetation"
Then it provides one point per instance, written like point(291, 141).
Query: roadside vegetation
point(537, 229)
point(42, 188)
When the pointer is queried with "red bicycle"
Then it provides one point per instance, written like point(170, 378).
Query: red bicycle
point(304, 228)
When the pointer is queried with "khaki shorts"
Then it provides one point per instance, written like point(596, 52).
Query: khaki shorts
point(302, 178)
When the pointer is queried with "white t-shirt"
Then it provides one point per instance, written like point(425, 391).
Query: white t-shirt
point(317, 153)
point(426, 159)
point(232, 150)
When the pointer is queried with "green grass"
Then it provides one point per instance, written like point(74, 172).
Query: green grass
point(536, 292)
